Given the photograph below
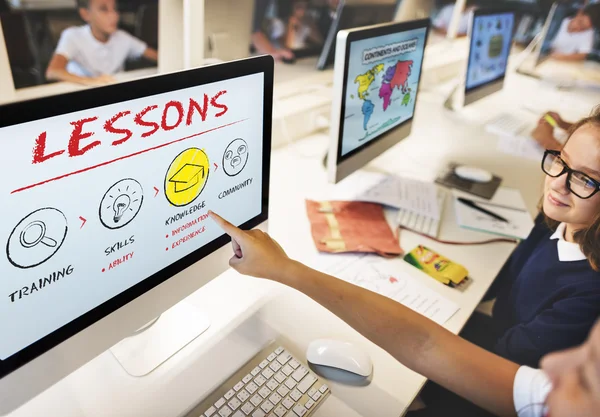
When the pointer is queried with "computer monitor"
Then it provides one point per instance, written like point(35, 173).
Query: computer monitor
point(376, 84)
point(490, 38)
point(352, 14)
point(548, 34)
point(105, 197)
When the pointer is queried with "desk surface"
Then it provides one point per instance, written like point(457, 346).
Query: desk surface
point(247, 313)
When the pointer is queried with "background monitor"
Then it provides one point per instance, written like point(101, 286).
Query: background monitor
point(490, 38)
point(105, 198)
point(376, 83)
point(352, 14)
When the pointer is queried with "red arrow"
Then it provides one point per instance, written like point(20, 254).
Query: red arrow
point(156, 193)
point(83, 221)
point(216, 166)
point(393, 280)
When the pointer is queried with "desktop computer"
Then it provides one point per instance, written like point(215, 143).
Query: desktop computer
point(490, 40)
point(352, 14)
point(540, 47)
point(376, 84)
point(104, 223)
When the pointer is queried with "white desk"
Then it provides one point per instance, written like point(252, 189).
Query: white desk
point(246, 313)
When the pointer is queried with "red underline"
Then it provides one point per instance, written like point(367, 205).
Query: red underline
point(123, 157)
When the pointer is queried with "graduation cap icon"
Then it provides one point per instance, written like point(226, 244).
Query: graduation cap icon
point(187, 177)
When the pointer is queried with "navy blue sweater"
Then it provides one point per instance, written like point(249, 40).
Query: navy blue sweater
point(543, 304)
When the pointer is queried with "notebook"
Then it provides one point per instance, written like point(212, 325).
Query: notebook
point(507, 202)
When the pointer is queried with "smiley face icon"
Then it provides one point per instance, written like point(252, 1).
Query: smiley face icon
point(235, 157)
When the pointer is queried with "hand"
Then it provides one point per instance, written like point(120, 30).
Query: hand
point(544, 135)
point(255, 253)
point(100, 80)
point(564, 125)
point(283, 54)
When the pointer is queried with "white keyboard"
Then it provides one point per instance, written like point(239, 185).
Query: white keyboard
point(420, 223)
point(272, 384)
point(506, 124)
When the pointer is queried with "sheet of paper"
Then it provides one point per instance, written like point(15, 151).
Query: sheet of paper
point(380, 276)
point(507, 202)
point(390, 190)
point(520, 146)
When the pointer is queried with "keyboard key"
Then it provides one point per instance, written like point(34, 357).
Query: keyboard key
point(317, 396)
point(309, 404)
point(275, 366)
point(287, 370)
point(251, 388)
point(247, 408)
point(264, 392)
point(323, 389)
point(312, 392)
point(238, 386)
point(234, 404)
point(280, 411)
point(263, 364)
point(229, 394)
point(306, 383)
point(283, 358)
point(294, 364)
point(267, 373)
point(275, 398)
point(238, 413)
point(258, 413)
point(260, 380)
point(255, 371)
point(288, 403)
point(247, 379)
point(300, 373)
point(290, 383)
point(300, 410)
point(211, 411)
point(279, 377)
point(267, 406)
point(257, 399)
point(225, 411)
point(283, 391)
point(272, 384)
point(271, 357)
point(220, 403)
point(243, 395)
point(278, 350)
point(295, 395)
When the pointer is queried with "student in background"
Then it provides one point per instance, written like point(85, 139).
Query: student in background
point(302, 29)
point(269, 28)
point(442, 21)
point(92, 53)
point(568, 385)
point(575, 38)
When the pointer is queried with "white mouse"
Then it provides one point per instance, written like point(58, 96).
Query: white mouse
point(340, 355)
point(474, 174)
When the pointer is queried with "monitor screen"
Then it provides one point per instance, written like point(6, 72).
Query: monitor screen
point(106, 193)
point(491, 38)
point(380, 86)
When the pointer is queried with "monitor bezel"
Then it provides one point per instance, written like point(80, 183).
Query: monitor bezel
point(367, 33)
point(41, 108)
point(497, 82)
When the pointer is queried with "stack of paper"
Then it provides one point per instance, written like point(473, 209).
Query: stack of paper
point(507, 203)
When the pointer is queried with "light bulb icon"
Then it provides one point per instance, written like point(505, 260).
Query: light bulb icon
point(120, 205)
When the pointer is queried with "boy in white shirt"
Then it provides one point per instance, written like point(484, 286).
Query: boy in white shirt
point(575, 38)
point(92, 53)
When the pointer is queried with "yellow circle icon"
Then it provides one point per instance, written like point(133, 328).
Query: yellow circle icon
point(186, 177)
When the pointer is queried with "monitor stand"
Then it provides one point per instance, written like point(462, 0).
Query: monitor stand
point(156, 342)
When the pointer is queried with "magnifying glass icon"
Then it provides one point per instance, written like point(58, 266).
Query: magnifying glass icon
point(35, 233)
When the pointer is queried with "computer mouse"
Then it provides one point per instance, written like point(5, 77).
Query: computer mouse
point(474, 174)
point(339, 355)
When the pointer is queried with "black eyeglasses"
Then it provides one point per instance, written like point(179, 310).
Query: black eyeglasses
point(580, 184)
